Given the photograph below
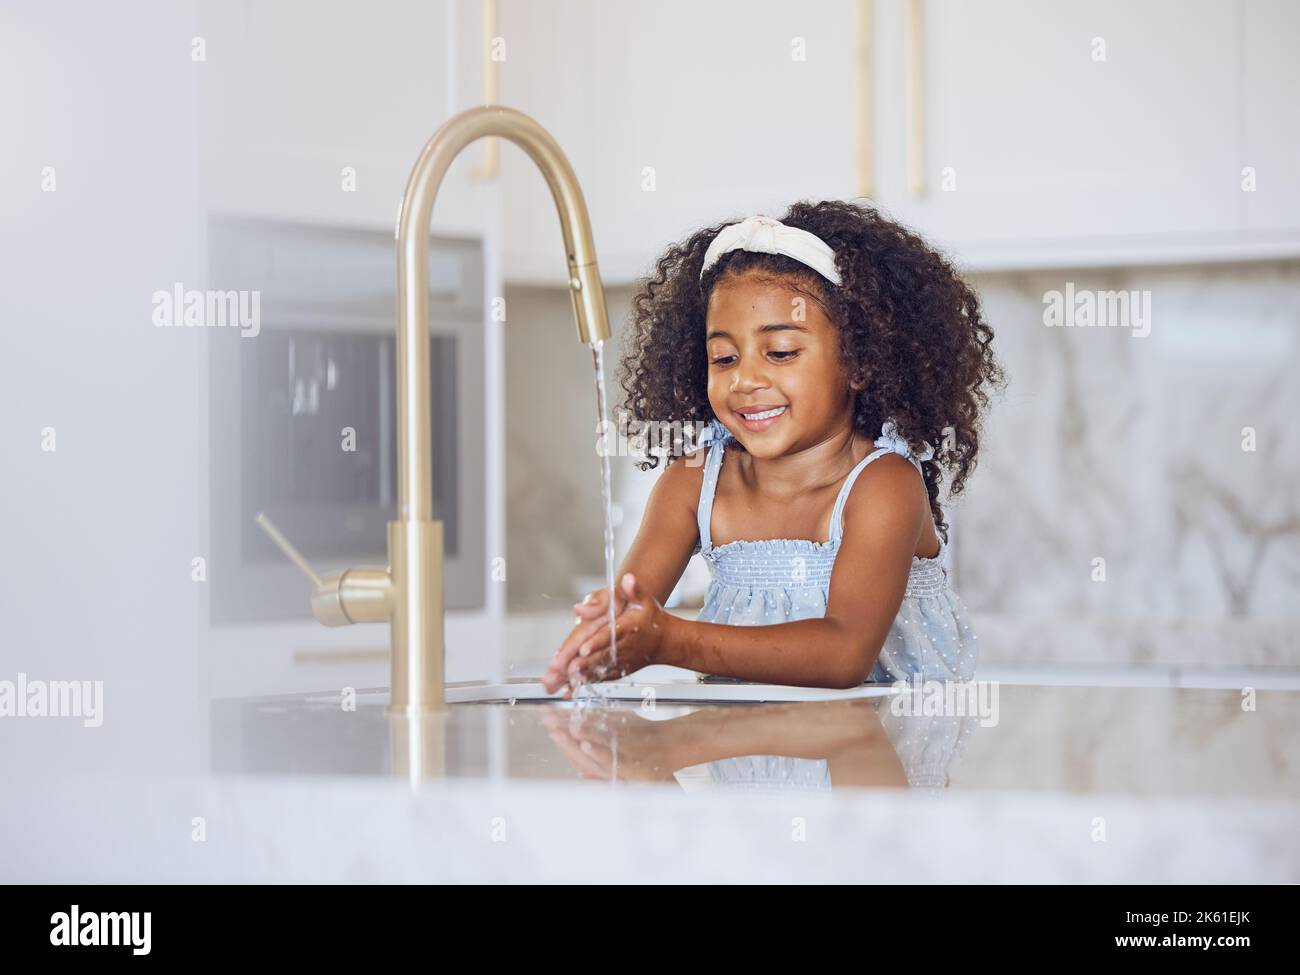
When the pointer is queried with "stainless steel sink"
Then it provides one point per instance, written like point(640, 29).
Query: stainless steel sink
point(684, 691)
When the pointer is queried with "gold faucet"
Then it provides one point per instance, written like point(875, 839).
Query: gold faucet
point(409, 593)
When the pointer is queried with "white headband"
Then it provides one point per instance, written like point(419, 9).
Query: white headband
point(769, 236)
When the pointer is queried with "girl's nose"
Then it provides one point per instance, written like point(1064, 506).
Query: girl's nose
point(747, 378)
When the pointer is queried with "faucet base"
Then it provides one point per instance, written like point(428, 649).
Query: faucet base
point(415, 564)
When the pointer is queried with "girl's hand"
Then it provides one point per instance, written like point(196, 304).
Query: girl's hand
point(641, 628)
point(595, 605)
point(592, 615)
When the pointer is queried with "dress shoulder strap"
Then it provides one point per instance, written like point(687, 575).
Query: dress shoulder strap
point(708, 486)
point(887, 443)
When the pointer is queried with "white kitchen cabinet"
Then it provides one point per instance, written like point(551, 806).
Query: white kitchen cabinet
point(674, 115)
point(1270, 114)
point(1042, 141)
point(1036, 150)
point(296, 92)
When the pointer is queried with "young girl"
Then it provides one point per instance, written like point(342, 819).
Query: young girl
point(839, 363)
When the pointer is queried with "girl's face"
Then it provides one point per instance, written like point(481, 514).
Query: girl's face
point(772, 350)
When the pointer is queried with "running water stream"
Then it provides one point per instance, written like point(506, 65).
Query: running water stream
point(606, 488)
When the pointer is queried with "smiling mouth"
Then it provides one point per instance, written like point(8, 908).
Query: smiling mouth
point(758, 420)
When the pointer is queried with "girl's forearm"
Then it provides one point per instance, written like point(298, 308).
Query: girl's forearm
point(804, 653)
point(717, 733)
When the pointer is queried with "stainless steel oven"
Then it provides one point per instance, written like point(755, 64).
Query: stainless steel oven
point(302, 410)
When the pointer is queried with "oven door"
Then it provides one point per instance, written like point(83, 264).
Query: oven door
point(303, 413)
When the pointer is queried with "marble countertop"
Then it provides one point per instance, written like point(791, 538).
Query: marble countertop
point(1031, 784)
point(1070, 740)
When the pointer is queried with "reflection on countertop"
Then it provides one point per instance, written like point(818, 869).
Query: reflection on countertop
point(1081, 784)
point(1065, 739)
point(790, 745)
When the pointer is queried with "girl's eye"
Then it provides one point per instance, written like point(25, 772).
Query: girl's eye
point(780, 355)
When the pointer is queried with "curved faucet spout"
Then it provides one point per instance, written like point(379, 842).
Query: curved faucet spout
point(415, 542)
point(415, 499)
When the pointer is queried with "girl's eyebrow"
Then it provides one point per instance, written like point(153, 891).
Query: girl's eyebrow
point(717, 333)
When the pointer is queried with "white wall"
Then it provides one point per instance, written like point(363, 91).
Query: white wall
point(98, 534)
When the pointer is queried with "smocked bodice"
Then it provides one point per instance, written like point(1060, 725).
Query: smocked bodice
point(794, 563)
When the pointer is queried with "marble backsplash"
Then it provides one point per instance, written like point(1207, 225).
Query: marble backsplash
point(1168, 455)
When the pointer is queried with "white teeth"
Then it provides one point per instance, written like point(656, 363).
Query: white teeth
point(765, 414)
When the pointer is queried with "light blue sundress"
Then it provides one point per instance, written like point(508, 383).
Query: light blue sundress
point(755, 583)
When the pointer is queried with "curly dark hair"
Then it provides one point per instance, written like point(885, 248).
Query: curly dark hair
point(910, 331)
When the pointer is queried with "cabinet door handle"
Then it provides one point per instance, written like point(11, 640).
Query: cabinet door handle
point(866, 120)
point(915, 94)
point(491, 93)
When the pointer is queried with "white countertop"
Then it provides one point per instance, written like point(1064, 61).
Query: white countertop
point(350, 830)
point(1075, 784)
